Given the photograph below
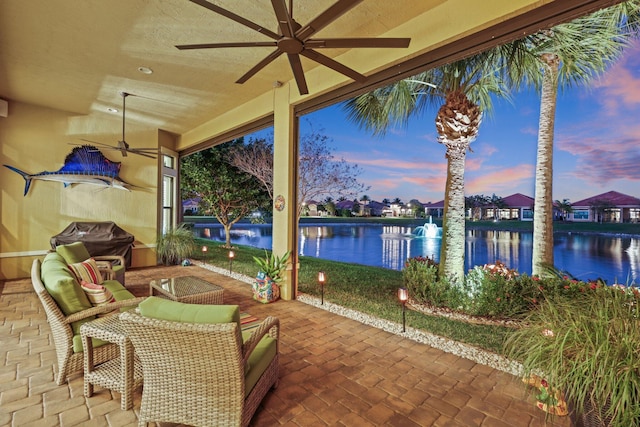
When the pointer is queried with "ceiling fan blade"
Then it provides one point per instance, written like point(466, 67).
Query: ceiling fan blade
point(298, 73)
point(284, 19)
point(334, 65)
point(96, 142)
point(148, 149)
point(357, 42)
point(237, 18)
point(259, 66)
point(219, 45)
point(325, 18)
point(134, 151)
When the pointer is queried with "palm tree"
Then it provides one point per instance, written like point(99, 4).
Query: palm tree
point(568, 54)
point(565, 207)
point(466, 87)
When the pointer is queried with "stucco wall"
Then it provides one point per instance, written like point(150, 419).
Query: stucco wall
point(36, 139)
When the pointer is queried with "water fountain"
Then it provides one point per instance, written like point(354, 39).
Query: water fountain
point(429, 230)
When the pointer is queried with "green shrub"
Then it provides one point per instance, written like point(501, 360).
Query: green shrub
point(497, 291)
point(420, 277)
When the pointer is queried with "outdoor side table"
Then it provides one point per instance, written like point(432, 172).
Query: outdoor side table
point(122, 374)
point(187, 289)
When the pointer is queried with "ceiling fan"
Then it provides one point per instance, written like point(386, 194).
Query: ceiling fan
point(123, 146)
point(295, 40)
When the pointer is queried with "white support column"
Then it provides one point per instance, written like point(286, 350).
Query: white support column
point(285, 167)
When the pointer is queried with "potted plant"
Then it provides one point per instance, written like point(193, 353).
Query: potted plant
point(175, 245)
point(266, 288)
point(586, 348)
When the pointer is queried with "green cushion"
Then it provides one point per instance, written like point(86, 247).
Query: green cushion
point(259, 360)
point(119, 292)
point(77, 338)
point(63, 286)
point(160, 308)
point(73, 252)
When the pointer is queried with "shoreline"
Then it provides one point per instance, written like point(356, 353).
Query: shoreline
point(628, 230)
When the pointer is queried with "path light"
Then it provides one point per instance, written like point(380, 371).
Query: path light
point(321, 280)
point(403, 296)
point(231, 255)
point(204, 254)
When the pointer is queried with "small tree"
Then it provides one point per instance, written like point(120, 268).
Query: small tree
point(255, 158)
point(565, 207)
point(600, 208)
point(319, 173)
point(475, 205)
point(224, 191)
point(330, 207)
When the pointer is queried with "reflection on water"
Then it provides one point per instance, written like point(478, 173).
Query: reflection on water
point(586, 256)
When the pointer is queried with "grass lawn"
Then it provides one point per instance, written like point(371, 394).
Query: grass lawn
point(371, 290)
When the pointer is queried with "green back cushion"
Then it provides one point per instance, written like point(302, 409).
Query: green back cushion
point(73, 252)
point(173, 311)
point(62, 285)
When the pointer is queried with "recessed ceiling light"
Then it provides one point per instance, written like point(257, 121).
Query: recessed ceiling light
point(112, 110)
point(145, 70)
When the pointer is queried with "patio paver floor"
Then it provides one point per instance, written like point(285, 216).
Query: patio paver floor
point(334, 372)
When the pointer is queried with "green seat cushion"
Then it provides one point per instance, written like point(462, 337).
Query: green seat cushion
point(259, 360)
point(119, 292)
point(173, 311)
point(77, 338)
point(73, 252)
point(62, 285)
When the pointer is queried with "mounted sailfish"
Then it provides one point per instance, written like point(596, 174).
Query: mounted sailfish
point(84, 165)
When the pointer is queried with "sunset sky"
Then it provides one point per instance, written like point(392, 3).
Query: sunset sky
point(597, 144)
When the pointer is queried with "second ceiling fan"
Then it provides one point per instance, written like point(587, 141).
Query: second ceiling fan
point(295, 40)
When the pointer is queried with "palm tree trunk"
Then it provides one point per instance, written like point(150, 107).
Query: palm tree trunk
point(543, 205)
point(453, 227)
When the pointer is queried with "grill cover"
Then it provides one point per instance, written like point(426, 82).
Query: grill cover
point(100, 238)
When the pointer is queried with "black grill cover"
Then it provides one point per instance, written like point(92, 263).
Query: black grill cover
point(100, 238)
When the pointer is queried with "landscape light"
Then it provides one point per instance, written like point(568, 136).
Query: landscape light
point(321, 280)
point(231, 255)
point(403, 296)
point(204, 253)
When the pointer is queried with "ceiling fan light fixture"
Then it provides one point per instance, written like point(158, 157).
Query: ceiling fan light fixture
point(145, 70)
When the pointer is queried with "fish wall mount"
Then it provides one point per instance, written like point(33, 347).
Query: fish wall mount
point(84, 165)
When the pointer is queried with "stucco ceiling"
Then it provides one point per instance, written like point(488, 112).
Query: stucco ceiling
point(78, 55)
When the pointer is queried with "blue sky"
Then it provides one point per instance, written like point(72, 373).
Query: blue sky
point(596, 149)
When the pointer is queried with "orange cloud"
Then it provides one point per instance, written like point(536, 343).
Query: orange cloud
point(503, 179)
point(619, 86)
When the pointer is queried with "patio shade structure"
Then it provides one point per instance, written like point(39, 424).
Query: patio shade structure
point(66, 63)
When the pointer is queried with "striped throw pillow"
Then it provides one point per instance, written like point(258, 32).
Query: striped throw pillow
point(87, 271)
point(97, 294)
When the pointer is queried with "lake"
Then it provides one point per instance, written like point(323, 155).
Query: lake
point(585, 256)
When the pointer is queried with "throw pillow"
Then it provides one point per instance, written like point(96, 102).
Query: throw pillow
point(97, 294)
point(87, 271)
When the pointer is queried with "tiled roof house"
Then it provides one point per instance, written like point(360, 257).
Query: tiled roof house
point(607, 207)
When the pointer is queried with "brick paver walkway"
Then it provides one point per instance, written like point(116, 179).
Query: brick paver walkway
point(334, 372)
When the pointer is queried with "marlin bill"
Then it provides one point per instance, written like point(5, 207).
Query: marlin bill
point(84, 165)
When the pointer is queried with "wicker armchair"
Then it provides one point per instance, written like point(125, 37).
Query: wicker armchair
point(194, 373)
point(68, 361)
point(112, 267)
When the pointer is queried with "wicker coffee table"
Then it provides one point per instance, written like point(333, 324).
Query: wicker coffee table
point(187, 289)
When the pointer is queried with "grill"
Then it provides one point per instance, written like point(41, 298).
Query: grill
point(100, 238)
